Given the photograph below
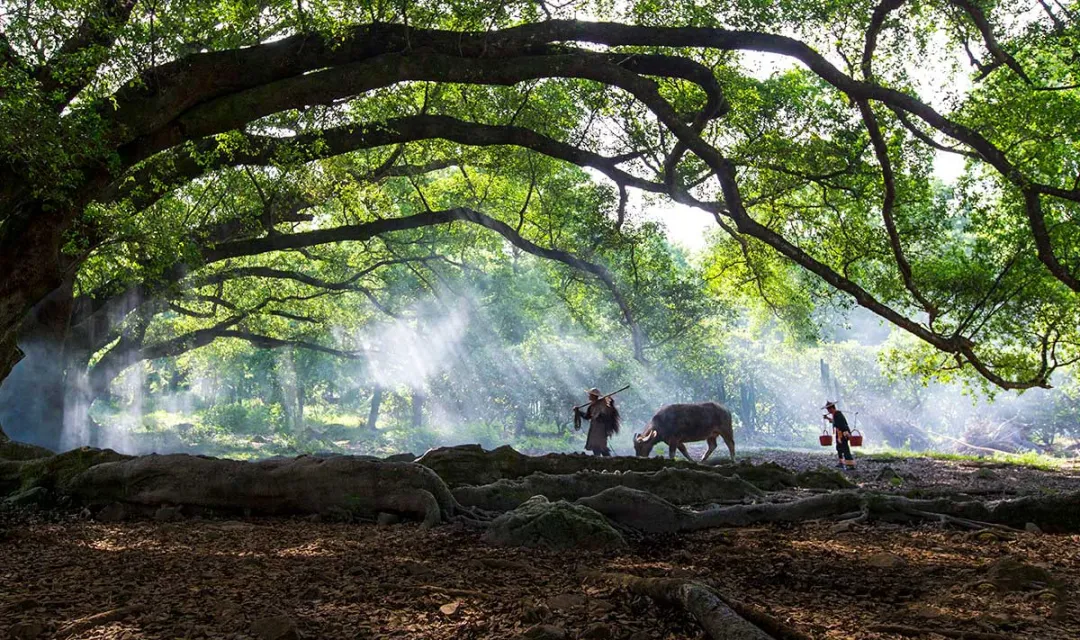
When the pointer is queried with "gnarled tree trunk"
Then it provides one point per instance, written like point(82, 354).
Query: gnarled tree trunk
point(34, 393)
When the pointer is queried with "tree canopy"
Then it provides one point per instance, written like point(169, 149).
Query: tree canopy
point(176, 172)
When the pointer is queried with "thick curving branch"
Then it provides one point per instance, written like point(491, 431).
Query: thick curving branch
point(155, 178)
point(982, 23)
point(881, 151)
point(75, 64)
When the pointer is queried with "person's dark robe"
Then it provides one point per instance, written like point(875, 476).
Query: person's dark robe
point(603, 420)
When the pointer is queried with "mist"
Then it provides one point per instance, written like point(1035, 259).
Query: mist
point(464, 366)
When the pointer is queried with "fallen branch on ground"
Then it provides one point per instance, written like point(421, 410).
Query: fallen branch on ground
point(717, 619)
point(96, 620)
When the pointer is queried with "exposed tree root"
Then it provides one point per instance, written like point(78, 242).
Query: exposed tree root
point(948, 633)
point(646, 512)
point(717, 619)
point(470, 464)
point(680, 486)
point(89, 622)
point(338, 486)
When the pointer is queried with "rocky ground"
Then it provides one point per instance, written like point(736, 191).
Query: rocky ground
point(280, 578)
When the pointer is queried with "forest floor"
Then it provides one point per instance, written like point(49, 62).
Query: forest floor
point(213, 579)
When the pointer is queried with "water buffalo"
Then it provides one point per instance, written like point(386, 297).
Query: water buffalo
point(675, 424)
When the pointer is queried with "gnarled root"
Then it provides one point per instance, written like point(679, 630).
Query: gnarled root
point(651, 514)
point(717, 619)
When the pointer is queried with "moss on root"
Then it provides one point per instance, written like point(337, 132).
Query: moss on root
point(823, 479)
point(11, 450)
point(56, 471)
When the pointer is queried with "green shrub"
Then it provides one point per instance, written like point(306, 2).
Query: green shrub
point(250, 416)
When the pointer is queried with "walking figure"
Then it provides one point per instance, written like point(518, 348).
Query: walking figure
point(842, 432)
point(603, 420)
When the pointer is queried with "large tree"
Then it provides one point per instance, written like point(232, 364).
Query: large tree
point(107, 106)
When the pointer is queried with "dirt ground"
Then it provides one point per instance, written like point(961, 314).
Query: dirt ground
point(212, 579)
point(926, 477)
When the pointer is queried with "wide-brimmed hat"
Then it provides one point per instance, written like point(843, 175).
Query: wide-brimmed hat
point(829, 404)
point(593, 392)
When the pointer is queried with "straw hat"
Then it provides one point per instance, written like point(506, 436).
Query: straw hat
point(829, 405)
point(594, 392)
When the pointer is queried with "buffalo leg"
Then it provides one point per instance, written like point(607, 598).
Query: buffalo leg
point(686, 454)
point(671, 449)
point(712, 447)
point(730, 447)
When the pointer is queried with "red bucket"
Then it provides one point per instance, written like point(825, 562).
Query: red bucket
point(825, 439)
point(856, 438)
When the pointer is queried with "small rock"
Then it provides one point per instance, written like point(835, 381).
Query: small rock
point(168, 514)
point(884, 560)
point(450, 608)
point(890, 475)
point(387, 519)
point(553, 525)
point(275, 628)
point(598, 631)
point(113, 512)
point(27, 630)
point(1031, 527)
point(566, 601)
point(1013, 574)
point(545, 632)
point(823, 479)
point(315, 517)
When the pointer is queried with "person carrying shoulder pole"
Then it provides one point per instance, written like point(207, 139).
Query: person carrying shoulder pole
point(842, 433)
point(603, 420)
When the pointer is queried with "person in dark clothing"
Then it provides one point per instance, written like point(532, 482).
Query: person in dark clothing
point(603, 420)
point(842, 435)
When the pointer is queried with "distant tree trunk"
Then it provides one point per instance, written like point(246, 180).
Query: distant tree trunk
point(417, 409)
point(722, 391)
point(301, 391)
point(748, 406)
point(519, 422)
point(829, 384)
point(373, 413)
